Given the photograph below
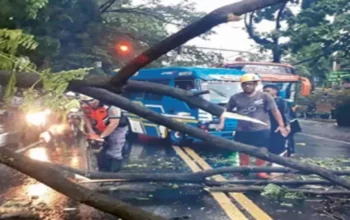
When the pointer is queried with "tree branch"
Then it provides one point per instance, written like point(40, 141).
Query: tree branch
point(265, 182)
point(146, 113)
point(325, 51)
point(81, 194)
point(279, 15)
point(141, 12)
point(250, 29)
point(209, 21)
point(104, 7)
point(198, 177)
point(104, 4)
point(260, 189)
point(309, 59)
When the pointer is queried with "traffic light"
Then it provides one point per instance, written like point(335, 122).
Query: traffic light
point(123, 48)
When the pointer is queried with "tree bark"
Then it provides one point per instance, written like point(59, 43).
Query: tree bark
point(265, 182)
point(197, 177)
point(53, 179)
point(141, 111)
point(219, 16)
point(277, 50)
point(260, 189)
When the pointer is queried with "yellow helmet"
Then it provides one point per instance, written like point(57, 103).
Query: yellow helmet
point(250, 77)
point(85, 98)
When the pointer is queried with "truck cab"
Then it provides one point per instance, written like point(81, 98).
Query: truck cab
point(282, 75)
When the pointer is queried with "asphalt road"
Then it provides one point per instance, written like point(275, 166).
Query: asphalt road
point(321, 140)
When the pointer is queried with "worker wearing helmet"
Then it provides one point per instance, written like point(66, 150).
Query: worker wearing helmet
point(107, 124)
point(73, 101)
point(254, 104)
point(72, 108)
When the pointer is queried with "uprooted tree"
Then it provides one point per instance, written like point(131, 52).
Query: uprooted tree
point(109, 89)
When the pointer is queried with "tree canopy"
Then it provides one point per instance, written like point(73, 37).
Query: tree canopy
point(313, 33)
point(77, 33)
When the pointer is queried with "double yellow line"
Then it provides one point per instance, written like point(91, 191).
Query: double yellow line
point(196, 163)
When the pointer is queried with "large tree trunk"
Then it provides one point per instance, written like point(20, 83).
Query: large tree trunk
point(276, 54)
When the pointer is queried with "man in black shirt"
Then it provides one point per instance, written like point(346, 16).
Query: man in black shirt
point(277, 140)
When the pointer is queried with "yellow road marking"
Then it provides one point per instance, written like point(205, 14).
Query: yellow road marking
point(224, 201)
point(244, 201)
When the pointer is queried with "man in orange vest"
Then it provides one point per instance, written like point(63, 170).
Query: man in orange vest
point(108, 125)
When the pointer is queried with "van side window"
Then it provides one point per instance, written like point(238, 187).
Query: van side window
point(153, 96)
point(184, 84)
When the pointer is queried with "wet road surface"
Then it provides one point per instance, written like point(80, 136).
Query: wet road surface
point(323, 140)
point(175, 200)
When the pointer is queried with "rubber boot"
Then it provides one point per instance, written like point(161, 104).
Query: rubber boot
point(244, 160)
point(116, 165)
point(261, 163)
point(103, 162)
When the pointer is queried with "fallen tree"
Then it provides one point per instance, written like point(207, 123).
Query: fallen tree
point(115, 84)
point(126, 104)
point(146, 113)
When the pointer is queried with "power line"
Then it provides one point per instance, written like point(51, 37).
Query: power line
point(219, 49)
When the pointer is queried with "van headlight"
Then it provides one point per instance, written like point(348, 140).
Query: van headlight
point(163, 131)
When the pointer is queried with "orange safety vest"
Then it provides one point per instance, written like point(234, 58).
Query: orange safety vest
point(99, 117)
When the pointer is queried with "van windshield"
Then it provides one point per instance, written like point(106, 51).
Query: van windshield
point(221, 91)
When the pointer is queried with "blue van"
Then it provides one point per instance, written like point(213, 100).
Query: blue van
point(221, 84)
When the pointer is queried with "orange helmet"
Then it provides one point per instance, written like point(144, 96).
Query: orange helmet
point(250, 77)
